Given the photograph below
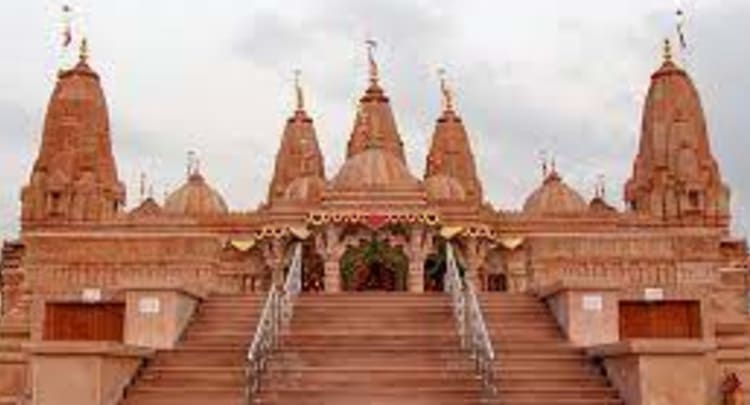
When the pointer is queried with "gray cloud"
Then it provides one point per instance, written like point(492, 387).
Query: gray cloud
point(574, 89)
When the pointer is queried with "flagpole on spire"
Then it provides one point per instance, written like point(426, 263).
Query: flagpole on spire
point(298, 90)
point(371, 46)
point(67, 35)
point(681, 20)
point(667, 50)
point(448, 104)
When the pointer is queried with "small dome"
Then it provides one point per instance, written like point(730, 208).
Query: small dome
point(308, 188)
point(554, 197)
point(444, 188)
point(148, 208)
point(195, 198)
point(599, 206)
point(374, 168)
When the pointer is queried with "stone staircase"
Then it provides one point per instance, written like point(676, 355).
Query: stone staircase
point(208, 365)
point(535, 363)
point(371, 348)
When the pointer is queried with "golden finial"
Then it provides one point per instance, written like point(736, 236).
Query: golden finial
point(600, 189)
point(445, 89)
point(191, 158)
point(142, 186)
point(543, 161)
point(84, 51)
point(298, 90)
point(667, 50)
point(374, 74)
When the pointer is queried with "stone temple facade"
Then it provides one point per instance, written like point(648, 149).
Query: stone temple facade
point(592, 263)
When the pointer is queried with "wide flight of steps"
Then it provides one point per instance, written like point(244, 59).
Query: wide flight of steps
point(208, 365)
point(535, 364)
point(371, 348)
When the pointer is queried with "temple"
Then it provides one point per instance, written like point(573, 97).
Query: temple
point(375, 284)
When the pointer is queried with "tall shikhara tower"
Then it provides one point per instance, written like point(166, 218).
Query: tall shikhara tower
point(451, 172)
point(299, 172)
point(75, 176)
point(675, 176)
point(376, 115)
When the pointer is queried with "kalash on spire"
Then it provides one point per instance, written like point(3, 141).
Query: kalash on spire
point(375, 105)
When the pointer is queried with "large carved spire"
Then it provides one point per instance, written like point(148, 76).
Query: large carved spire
point(299, 158)
point(75, 176)
point(375, 106)
point(675, 176)
point(450, 153)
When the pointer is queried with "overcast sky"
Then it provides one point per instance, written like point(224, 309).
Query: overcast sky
point(567, 77)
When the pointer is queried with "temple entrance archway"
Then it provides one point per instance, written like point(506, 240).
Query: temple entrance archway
point(313, 270)
point(374, 265)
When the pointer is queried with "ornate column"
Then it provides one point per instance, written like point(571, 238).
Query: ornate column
point(476, 251)
point(420, 243)
point(273, 255)
point(328, 244)
point(332, 277)
point(416, 274)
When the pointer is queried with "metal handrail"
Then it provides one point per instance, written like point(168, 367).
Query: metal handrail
point(470, 324)
point(292, 286)
point(453, 286)
point(481, 346)
point(277, 313)
point(263, 343)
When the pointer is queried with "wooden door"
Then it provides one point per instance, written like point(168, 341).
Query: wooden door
point(661, 319)
point(83, 321)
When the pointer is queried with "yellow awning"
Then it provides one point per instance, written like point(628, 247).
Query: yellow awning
point(449, 232)
point(300, 232)
point(242, 245)
point(512, 243)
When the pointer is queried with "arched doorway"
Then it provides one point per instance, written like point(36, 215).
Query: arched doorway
point(313, 270)
point(374, 265)
point(497, 282)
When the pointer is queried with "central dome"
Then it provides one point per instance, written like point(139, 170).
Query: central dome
point(374, 168)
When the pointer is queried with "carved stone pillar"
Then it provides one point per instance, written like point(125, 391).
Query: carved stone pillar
point(476, 251)
point(416, 275)
point(277, 272)
point(420, 244)
point(332, 276)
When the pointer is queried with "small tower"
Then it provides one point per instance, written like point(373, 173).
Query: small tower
point(450, 153)
point(74, 177)
point(299, 156)
point(675, 176)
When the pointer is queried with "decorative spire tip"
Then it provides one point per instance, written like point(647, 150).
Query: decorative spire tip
point(84, 51)
point(298, 90)
point(371, 46)
point(667, 50)
point(448, 101)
